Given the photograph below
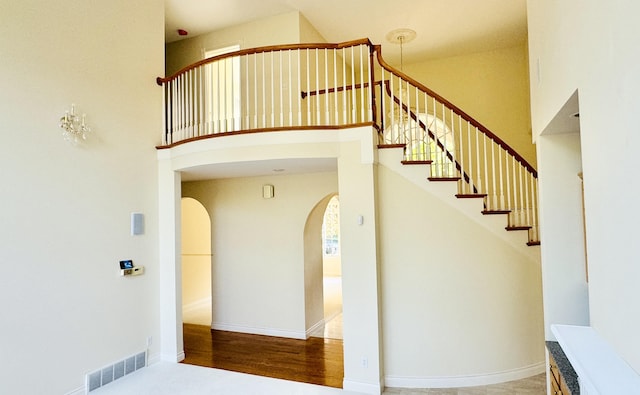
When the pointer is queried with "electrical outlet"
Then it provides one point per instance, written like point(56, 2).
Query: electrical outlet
point(365, 362)
point(149, 341)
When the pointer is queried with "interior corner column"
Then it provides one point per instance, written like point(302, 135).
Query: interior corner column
point(169, 187)
point(361, 329)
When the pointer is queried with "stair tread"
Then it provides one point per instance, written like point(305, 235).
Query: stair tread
point(382, 146)
point(471, 195)
point(416, 162)
point(510, 228)
point(492, 212)
point(444, 178)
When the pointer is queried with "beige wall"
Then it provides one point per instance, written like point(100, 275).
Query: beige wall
point(492, 87)
point(308, 33)
point(458, 303)
point(65, 210)
point(593, 49)
point(258, 285)
point(196, 254)
point(279, 29)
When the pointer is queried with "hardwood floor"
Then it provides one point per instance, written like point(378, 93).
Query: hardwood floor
point(316, 360)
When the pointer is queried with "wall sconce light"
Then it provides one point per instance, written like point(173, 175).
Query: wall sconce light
point(267, 191)
point(74, 128)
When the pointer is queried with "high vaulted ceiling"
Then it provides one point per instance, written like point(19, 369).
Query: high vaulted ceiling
point(444, 27)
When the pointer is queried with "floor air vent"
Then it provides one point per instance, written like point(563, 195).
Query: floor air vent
point(104, 376)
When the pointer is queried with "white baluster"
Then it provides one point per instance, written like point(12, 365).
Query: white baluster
point(427, 140)
point(478, 168)
point(383, 112)
point(526, 195)
point(174, 109)
point(521, 192)
point(392, 123)
point(190, 103)
point(469, 152)
point(317, 120)
point(345, 109)
point(297, 91)
point(255, 91)
point(273, 100)
point(335, 84)
point(494, 185)
point(451, 166)
point(165, 105)
point(402, 127)
point(224, 102)
point(534, 198)
point(291, 90)
point(371, 87)
point(181, 107)
point(327, 109)
point(486, 177)
point(202, 99)
point(462, 185)
point(515, 192)
point(443, 141)
point(502, 207)
point(308, 91)
point(353, 88)
point(508, 182)
point(264, 90)
point(362, 98)
point(281, 91)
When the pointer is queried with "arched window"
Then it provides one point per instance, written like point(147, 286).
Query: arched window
point(331, 228)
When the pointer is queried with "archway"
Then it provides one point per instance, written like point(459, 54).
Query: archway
point(332, 270)
point(196, 263)
point(323, 280)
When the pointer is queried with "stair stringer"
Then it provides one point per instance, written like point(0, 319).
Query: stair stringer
point(446, 190)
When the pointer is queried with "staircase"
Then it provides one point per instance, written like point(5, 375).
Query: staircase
point(320, 86)
point(457, 149)
point(446, 190)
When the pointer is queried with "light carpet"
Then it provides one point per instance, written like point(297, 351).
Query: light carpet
point(165, 378)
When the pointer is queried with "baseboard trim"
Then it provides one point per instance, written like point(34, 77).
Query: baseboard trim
point(78, 391)
point(259, 331)
point(365, 388)
point(465, 381)
point(173, 357)
point(318, 325)
point(155, 358)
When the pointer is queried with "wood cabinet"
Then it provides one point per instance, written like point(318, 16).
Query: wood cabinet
point(558, 384)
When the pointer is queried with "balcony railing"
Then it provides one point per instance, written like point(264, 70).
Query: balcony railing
point(320, 86)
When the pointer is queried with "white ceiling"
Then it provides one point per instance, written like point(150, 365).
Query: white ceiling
point(444, 27)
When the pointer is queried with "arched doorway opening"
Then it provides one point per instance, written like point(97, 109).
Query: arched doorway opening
point(332, 270)
point(196, 263)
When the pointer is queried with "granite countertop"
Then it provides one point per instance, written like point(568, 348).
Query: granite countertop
point(564, 366)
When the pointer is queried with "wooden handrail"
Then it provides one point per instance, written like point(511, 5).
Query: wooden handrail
point(192, 113)
point(264, 130)
point(458, 111)
point(338, 89)
point(269, 48)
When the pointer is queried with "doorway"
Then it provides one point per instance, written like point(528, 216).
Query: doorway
point(316, 360)
point(196, 263)
point(331, 272)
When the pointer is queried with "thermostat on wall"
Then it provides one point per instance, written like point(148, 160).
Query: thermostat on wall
point(128, 269)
